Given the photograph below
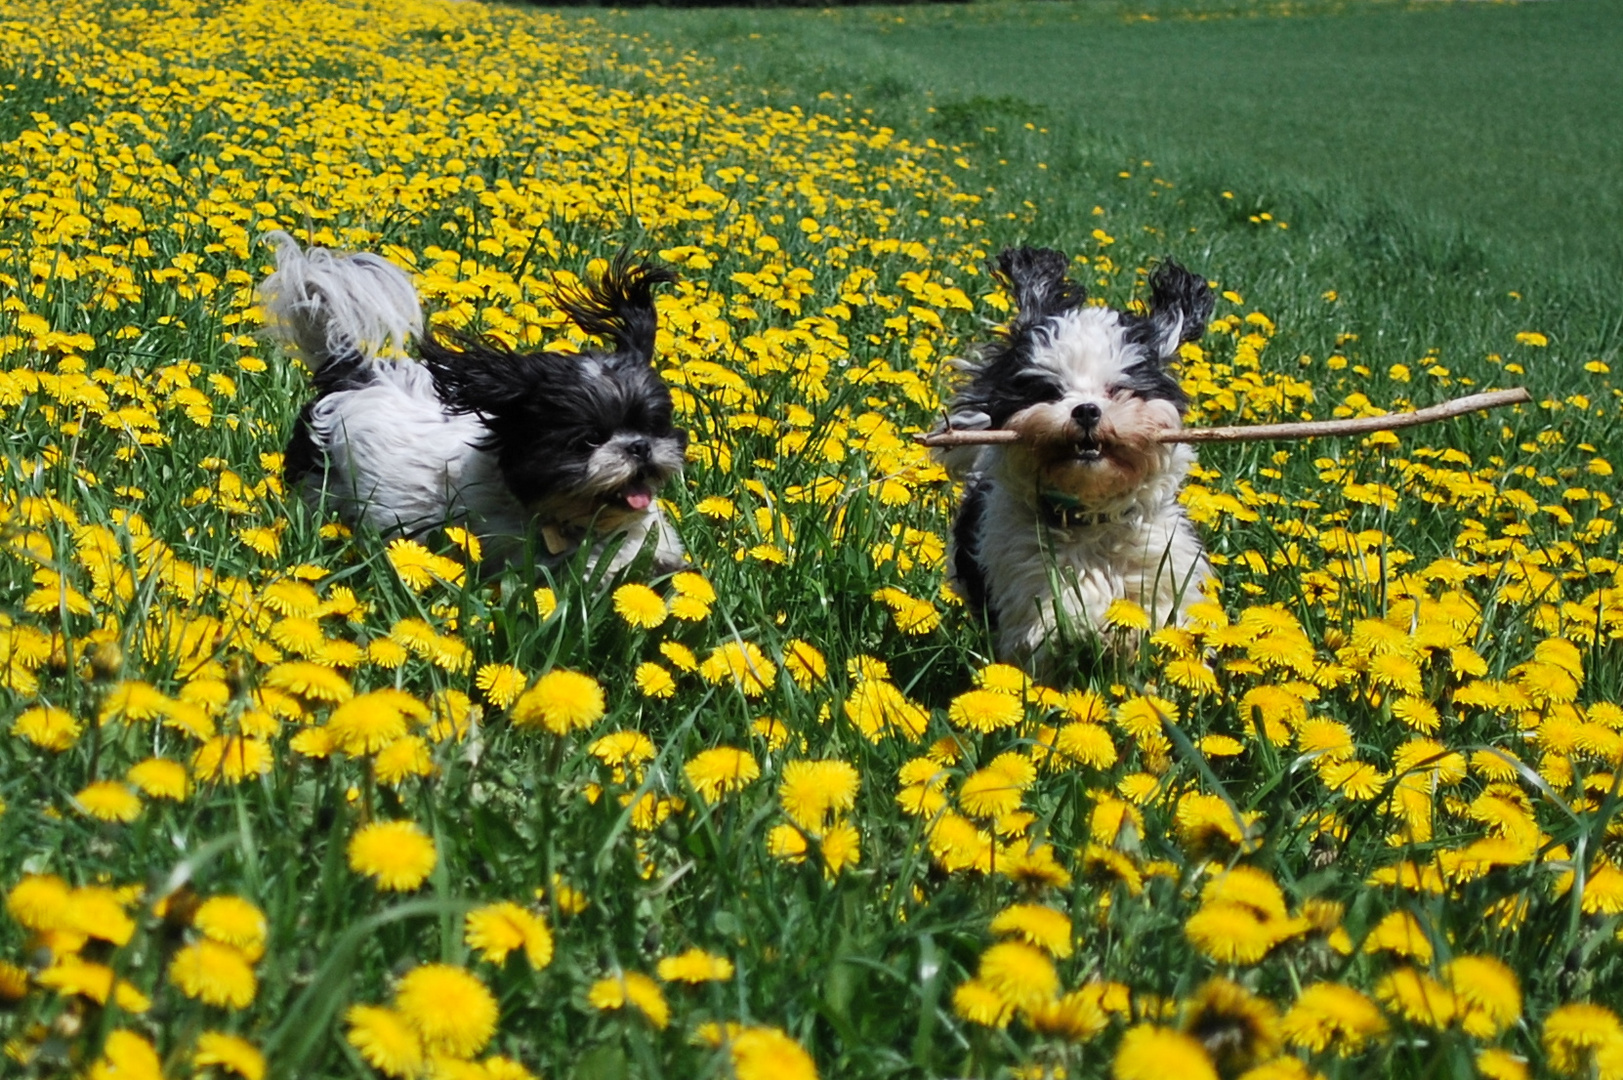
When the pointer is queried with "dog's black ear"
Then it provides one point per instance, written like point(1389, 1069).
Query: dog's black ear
point(484, 377)
point(1180, 307)
point(1041, 290)
point(619, 306)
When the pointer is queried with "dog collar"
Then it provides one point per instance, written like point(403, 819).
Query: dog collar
point(1062, 511)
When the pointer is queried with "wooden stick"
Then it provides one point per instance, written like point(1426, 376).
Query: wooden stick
point(1310, 429)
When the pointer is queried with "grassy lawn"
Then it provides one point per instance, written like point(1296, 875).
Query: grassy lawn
point(1501, 120)
point(281, 800)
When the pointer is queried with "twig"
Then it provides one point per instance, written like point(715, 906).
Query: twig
point(1261, 432)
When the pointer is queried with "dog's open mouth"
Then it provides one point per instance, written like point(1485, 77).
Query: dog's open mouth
point(636, 495)
point(1088, 450)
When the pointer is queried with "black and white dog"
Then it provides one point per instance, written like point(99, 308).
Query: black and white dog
point(1083, 510)
point(566, 448)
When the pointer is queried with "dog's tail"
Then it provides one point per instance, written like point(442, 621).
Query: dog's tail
point(619, 307)
point(328, 305)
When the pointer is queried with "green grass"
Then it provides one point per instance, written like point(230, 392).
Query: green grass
point(1501, 121)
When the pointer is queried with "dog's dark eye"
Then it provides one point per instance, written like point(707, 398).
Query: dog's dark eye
point(1037, 386)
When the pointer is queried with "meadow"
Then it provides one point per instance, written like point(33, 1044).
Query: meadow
point(283, 801)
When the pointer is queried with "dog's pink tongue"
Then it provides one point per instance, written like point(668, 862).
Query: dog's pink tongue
point(637, 497)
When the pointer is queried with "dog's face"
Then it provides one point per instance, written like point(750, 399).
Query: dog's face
point(1089, 388)
point(581, 439)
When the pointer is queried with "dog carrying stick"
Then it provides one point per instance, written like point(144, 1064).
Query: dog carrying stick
point(1358, 425)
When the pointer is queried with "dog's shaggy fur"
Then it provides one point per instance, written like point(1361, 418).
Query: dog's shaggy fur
point(1084, 509)
point(558, 449)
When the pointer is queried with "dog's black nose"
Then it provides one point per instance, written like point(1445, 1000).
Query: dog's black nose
point(1086, 414)
point(641, 449)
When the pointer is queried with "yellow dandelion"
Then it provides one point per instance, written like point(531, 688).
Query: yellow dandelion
point(985, 711)
point(367, 723)
point(1021, 975)
point(385, 1040)
point(160, 778)
point(395, 853)
point(560, 701)
point(450, 1009)
point(743, 664)
point(810, 790)
point(71, 975)
point(840, 846)
point(639, 606)
point(1125, 614)
point(1148, 1052)
point(127, 1056)
point(109, 800)
point(1489, 994)
point(546, 602)
point(1237, 1028)
point(497, 929)
point(975, 1001)
point(634, 989)
point(229, 1052)
point(311, 681)
point(761, 1053)
point(805, 663)
point(654, 680)
point(232, 758)
point(1331, 1014)
point(214, 973)
point(232, 920)
point(1075, 1017)
point(403, 758)
point(1417, 997)
point(501, 683)
point(679, 655)
point(1038, 925)
point(695, 966)
point(1576, 1034)
point(47, 727)
point(718, 771)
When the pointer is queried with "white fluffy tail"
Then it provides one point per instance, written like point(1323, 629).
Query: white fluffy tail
point(325, 303)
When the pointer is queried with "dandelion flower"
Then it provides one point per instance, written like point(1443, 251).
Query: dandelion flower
point(387, 1042)
point(367, 723)
point(560, 701)
point(985, 711)
point(639, 606)
point(229, 1052)
point(109, 800)
point(497, 929)
point(805, 664)
point(1575, 1034)
point(215, 974)
point(231, 758)
point(809, 790)
point(742, 663)
point(39, 901)
point(1148, 1052)
point(395, 853)
point(1237, 1028)
point(695, 966)
point(1330, 1014)
point(47, 727)
point(311, 681)
point(654, 680)
point(761, 1053)
point(716, 772)
point(1038, 925)
point(841, 846)
point(501, 683)
point(975, 1001)
point(450, 1009)
point(631, 988)
point(1076, 1017)
point(232, 920)
point(159, 778)
point(403, 758)
point(127, 1056)
point(1488, 991)
point(1021, 975)
point(680, 656)
point(1417, 997)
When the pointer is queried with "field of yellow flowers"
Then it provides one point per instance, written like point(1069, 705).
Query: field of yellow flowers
point(281, 801)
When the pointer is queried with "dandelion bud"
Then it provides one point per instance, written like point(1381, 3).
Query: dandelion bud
point(236, 677)
point(106, 661)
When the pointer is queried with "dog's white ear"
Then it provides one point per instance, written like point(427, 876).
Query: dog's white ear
point(1180, 307)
